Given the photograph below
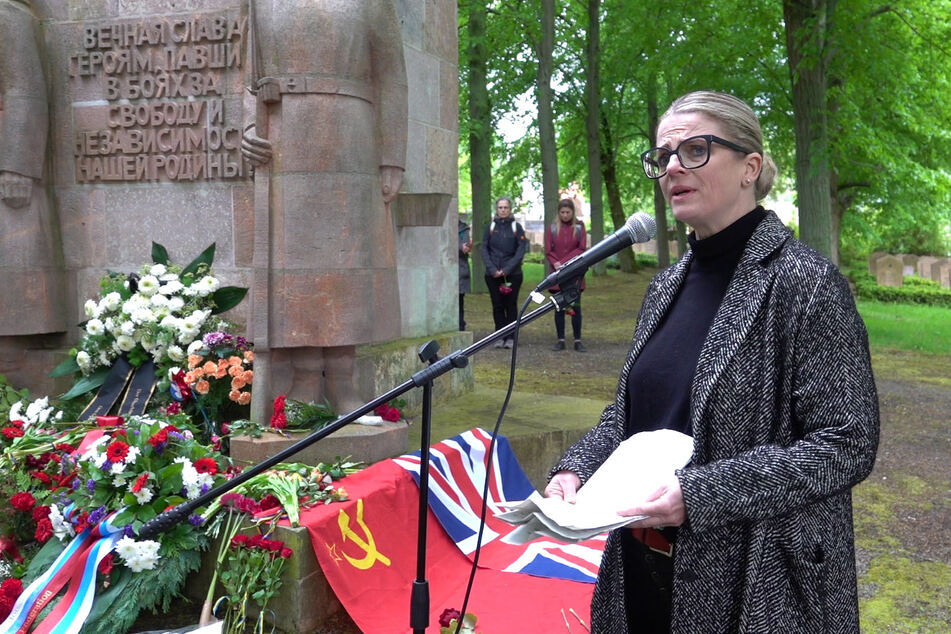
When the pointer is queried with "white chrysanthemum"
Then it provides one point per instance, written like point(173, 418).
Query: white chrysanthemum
point(34, 411)
point(111, 301)
point(91, 308)
point(188, 329)
point(176, 304)
point(125, 548)
point(143, 316)
point(61, 528)
point(158, 270)
point(125, 343)
point(15, 411)
point(175, 353)
point(134, 303)
point(172, 287)
point(147, 342)
point(83, 360)
point(170, 321)
point(104, 358)
point(132, 454)
point(143, 495)
point(148, 285)
point(195, 346)
point(206, 286)
point(169, 277)
point(95, 327)
point(111, 325)
point(117, 468)
point(147, 556)
point(159, 300)
point(127, 328)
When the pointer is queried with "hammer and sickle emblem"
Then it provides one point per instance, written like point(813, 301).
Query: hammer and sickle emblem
point(368, 545)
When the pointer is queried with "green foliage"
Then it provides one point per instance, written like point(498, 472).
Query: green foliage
point(915, 290)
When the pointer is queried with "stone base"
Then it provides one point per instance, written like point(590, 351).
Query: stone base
point(305, 601)
point(27, 360)
point(368, 444)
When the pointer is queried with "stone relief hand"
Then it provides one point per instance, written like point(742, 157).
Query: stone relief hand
point(564, 485)
point(16, 190)
point(391, 179)
point(664, 507)
point(254, 148)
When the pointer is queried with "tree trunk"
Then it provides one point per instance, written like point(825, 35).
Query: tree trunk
point(546, 122)
point(480, 138)
point(807, 48)
point(660, 205)
point(592, 93)
point(609, 170)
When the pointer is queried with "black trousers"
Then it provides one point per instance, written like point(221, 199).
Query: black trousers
point(462, 311)
point(575, 322)
point(648, 581)
point(504, 307)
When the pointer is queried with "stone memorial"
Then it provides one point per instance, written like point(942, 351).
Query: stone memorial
point(889, 270)
point(924, 266)
point(941, 272)
point(873, 259)
point(909, 263)
point(146, 106)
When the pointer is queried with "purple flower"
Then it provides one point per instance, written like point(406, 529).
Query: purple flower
point(127, 531)
point(196, 520)
point(96, 516)
point(176, 435)
point(205, 488)
point(91, 485)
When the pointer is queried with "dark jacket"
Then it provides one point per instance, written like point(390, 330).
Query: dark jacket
point(785, 420)
point(503, 246)
point(465, 285)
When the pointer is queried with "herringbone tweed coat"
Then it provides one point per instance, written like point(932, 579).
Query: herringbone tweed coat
point(785, 422)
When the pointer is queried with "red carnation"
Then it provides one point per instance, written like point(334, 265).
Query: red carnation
point(286, 553)
point(140, 482)
point(42, 477)
point(40, 512)
point(278, 417)
point(448, 615)
point(269, 502)
point(12, 587)
point(23, 501)
point(8, 548)
point(63, 446)
point(239, 540)
point(159, 438)
point(117, 451)
point(105, 566)
point(17, 423)
point(206, 465)
point(12, 432)
point(44, 530)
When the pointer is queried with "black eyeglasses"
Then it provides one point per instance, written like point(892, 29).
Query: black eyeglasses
point(692, 153)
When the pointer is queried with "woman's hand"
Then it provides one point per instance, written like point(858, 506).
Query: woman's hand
point(564, 485)
point(498, 274)
point(664, 507)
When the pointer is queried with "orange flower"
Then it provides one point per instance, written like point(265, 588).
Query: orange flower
point(237, 383)
point(234, 395)
point(220, 373)
point(245, 398)
point(249, 356)
point(248, 376)
point(202, 387)
point(191, 376)
point(235, 370)
point(210, 367)
point(234, 360)
point(194, 360)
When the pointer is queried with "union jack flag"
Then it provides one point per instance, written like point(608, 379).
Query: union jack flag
point(457, 477)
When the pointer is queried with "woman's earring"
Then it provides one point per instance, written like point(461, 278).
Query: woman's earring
point(747, 181)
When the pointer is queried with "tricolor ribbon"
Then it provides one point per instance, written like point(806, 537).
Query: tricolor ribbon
point(75, 569)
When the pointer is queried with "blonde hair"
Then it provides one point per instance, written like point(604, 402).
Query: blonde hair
point(738, 120)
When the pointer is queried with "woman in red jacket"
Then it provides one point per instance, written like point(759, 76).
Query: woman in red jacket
point(566, 239)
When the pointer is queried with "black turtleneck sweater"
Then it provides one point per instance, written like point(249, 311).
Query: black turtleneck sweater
point(658, 387)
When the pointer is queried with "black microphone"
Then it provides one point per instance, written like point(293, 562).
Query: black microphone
point(639, 228)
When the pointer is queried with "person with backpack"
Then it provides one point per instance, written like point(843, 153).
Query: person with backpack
point(503, 248)
point(566, 239)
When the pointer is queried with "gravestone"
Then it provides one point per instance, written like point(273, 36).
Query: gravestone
point(889, 270)
point(924, 266)
point(941, 272)
point(873, 259)
point(145, 104)
point(909, 264)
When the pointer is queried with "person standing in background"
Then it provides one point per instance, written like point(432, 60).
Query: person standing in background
point(503, 248)
point(567, 239)
point(465, 282)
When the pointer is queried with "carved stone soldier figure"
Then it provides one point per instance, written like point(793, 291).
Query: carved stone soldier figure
point(30, 269)
point(330, 84)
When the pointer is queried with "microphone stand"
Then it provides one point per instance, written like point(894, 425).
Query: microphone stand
point(419, 601)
